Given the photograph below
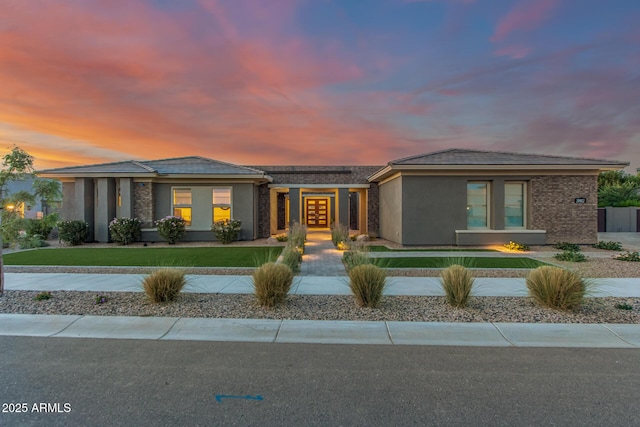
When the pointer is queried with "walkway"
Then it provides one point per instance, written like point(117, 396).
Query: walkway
point(320, 257)
point(303, 285)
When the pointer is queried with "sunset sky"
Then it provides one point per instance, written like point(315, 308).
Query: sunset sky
point(318, 81)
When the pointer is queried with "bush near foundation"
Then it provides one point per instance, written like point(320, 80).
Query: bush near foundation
point(610, 246)
point(171, 228)
point(227, 230)
point(556, 288)
point(367, 283)
point(73, 232)
point(566, 246)
point(271, 284)
point(457, 283)
point(164, 285)
point(125, 231)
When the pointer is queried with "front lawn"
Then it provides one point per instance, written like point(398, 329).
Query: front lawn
point(472, 262)
point(387, 249)
point(245, 256)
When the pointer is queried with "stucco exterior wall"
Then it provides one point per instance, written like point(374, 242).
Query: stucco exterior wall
point(553, 208)
point(390, 200)
point(433, 207)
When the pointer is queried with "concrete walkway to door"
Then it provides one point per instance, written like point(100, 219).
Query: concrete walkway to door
point(320, 257)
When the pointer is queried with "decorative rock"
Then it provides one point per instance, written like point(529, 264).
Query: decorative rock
point(272, 241)
point(362, 238)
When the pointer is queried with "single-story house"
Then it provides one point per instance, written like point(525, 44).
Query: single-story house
point(449, 197)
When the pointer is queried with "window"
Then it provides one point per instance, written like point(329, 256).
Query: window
point(182, 204)
point(514, 204)
point(477, 205)
point(221, 204)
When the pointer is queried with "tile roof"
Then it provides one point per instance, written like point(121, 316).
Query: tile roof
point(193, 165)
point(457, 156)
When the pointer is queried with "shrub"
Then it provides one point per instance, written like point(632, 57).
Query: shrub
point(624, 306)
point(515, 246)
point(456, 282)
point(629, 256)
point(570, 256)
point(164, 285)
point(367, 283)
point(610, 246)
point(100, 299)
point(339, 233)
point(42, 296)
point(271, 283)
point(566, 246)
point(125, 230)
point(31, 242)
point(171, 228)
point(39, 228)
point(556, 287)
point(73, 232)
point(226, 230)
point(292, 258)
point(282, 237)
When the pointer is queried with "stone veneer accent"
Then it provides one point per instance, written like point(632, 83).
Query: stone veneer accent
point(329, 175)
point(553, 208)
point(143, 203)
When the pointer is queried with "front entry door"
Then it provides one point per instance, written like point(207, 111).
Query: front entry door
point(317, 213)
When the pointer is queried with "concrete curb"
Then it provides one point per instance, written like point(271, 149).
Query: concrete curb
point(324, 332)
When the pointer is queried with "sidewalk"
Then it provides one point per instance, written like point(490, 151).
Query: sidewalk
point(302, 285)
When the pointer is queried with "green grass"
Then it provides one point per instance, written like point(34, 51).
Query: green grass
point(386, 249)
point(478, 262)
point(142, 257)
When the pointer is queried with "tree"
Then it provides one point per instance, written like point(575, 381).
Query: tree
point(16, 165)
point(617, 188)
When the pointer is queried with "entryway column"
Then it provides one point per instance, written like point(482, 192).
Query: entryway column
point(294, 206)
point(343, 206)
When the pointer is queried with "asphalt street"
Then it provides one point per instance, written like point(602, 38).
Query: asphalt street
point(80, 382)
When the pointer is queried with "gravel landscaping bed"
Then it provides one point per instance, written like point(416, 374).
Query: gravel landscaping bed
point(321, 307)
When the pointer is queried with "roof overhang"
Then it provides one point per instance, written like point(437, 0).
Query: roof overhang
point(390, 170)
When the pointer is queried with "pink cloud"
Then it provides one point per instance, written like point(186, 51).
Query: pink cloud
point(514, 52)
point(524, 16)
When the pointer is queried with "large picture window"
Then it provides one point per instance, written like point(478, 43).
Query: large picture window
point(182, 204)
point(514, 198)
point(221, 204)
point(477, 205)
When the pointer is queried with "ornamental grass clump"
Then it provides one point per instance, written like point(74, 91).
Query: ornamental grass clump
point(271, 284)
point(297, 235)
point(457, 283)
point(292, 258)
point(164, 285)
point(226, 230)
point(340, 235)
point(367, 283)
point(171, 228)
point(125, 230)
point(556, 288)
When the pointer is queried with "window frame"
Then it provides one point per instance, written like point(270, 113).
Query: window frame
point(487, 225)
point(175, 205)
point(221, 205)
point(523, 185)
